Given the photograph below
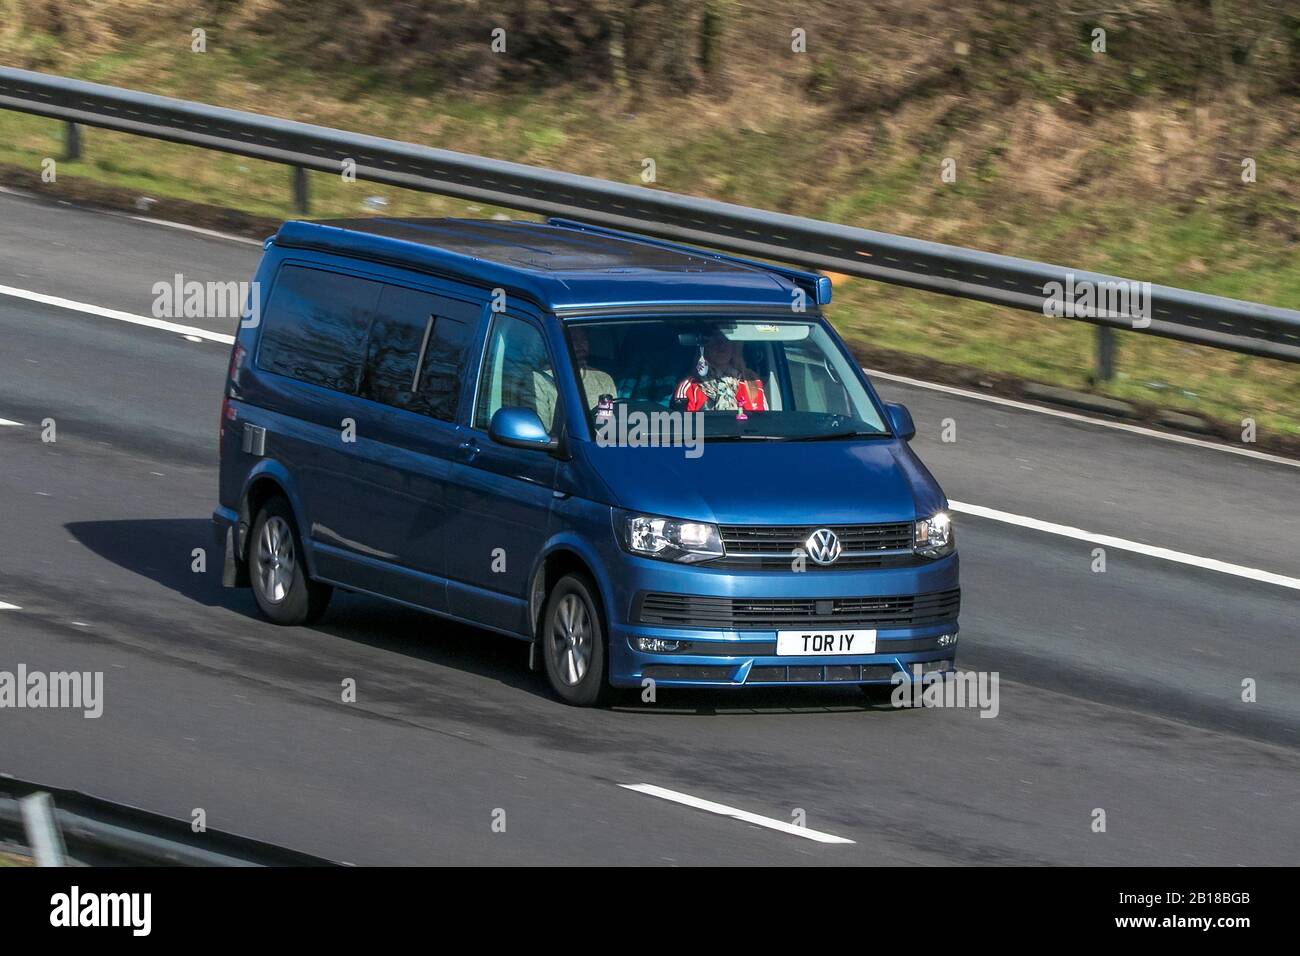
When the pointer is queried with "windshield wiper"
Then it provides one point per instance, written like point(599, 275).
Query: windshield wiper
point(826, 437)
point(830, 436)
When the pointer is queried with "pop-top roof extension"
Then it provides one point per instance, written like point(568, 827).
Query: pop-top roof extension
point(564, 266)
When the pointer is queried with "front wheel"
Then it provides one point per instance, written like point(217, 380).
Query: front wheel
point(573, 642)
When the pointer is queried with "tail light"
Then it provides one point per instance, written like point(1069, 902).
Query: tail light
point(237, 355)
point(227, 415)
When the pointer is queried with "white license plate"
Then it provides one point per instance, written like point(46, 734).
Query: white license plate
point(820, 643)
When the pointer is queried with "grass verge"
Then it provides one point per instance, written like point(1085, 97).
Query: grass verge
point(765, 154)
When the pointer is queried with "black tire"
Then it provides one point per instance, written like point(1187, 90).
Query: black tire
point(580, 684)
point(281, 587)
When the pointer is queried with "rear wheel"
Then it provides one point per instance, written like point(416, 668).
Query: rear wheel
point(574, 644)
point(278, 569)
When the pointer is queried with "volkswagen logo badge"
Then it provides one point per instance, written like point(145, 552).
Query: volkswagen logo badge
point(823, 546)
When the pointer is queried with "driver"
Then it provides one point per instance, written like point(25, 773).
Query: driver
point(722, 381)
point(596, 384)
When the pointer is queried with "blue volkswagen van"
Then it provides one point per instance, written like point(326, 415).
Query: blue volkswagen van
point(651, 462)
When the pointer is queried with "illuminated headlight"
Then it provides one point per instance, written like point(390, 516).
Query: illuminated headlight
point(934, 536)
point(668, 538)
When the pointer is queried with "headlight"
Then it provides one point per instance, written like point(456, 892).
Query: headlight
point(668, 538)
point(934, 536)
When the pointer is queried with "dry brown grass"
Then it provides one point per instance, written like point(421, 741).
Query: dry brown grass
point(1010, 90)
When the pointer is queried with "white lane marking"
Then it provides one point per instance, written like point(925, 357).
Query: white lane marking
point(6, 423)
point(1122, 544)
point(722, 809)
point(9, 607)
point(1076, 417)
point(60, 303)
point(210, 233)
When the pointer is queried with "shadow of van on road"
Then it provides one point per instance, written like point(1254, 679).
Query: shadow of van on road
point(162, 550)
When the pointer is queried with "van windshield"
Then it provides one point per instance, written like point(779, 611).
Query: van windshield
point(749, 380)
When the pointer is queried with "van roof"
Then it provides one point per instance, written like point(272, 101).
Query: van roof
point(563, 266)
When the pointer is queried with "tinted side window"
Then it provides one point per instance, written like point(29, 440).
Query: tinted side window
point(444, 360)
point(417, 347)
point(316, 325)
point(516, 373)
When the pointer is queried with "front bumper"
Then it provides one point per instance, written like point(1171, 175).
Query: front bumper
point(731, 661)
point(724, 657)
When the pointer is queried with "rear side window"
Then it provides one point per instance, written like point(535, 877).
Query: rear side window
point(315, 327)
point(417, 346)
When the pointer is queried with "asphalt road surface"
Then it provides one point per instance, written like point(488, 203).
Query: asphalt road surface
point(1119, 691)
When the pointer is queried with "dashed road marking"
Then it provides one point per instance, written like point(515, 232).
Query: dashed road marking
point(743, 815)
point(132, 318)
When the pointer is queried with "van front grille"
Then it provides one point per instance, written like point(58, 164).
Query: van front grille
point(770, 614)
point(774, 547)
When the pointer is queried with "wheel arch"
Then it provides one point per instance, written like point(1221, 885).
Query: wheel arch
point(268, 480)
point(561, 558)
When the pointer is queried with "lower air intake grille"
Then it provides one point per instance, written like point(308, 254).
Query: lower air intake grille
point(688, 672)
point(770, 614)
point(831, 672)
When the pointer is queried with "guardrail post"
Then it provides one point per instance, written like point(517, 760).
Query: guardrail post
point(301, 197)
point(43, 835)
point(1105, 353)
point(71, 141)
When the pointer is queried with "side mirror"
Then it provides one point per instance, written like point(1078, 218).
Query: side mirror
point(900, 420)
point(520, 428)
